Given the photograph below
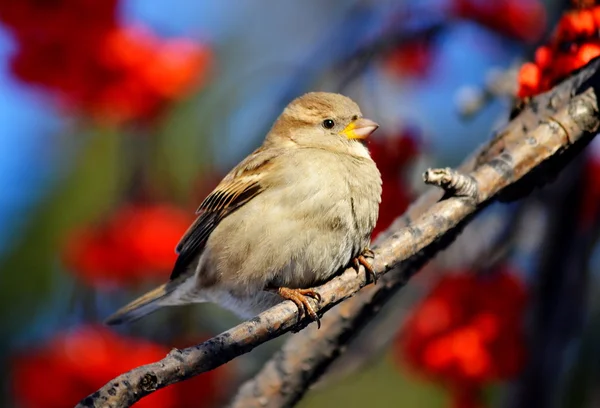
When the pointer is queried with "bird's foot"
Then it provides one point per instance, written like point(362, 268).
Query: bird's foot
point(299, 297)
point(362, 260)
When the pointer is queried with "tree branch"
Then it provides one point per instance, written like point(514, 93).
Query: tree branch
point(286, 378)
point(524, 121)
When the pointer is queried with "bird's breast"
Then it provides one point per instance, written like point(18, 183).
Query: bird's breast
point(335, 206)
point(308, 224)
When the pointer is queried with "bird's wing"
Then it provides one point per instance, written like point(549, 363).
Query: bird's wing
point(241, 185)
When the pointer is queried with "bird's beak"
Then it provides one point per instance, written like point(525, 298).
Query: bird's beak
point(360, 129)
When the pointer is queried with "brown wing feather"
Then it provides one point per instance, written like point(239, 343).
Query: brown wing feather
point(241, 185)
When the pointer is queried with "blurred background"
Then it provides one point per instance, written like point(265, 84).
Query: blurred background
point(117, 117)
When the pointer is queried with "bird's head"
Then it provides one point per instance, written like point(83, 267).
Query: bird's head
point(325, 120)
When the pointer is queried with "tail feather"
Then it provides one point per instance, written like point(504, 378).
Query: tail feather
point(140, 307)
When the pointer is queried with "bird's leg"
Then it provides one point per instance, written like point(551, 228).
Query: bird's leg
point(362, 260)
point(298, 296)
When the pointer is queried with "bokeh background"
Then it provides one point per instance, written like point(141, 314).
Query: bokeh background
point(117, 117)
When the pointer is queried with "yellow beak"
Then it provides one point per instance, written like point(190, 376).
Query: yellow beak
point(360, 129)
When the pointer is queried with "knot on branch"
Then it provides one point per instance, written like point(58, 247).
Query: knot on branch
point(452, 181)
point(149, 382)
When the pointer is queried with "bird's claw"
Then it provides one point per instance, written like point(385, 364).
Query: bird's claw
point(362, 260)
point(299, 297)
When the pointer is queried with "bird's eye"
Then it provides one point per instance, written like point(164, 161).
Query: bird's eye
point(328, 123)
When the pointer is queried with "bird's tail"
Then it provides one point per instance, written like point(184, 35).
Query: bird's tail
point(140, 307)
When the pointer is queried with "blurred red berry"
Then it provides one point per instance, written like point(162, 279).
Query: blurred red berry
point(393, 154)
point(146, 72)
point(77, 363)
point(106, 71)
point(587, 52)
point(521, 19)
point(596, 14)
point(543, 57)
point(578, 24)
point(583, 3)
point(40, 21)
point(413, 59)
point(590, 201)
point(574, 43)
point(467, 331)
point(137, 243)
point(530, 77)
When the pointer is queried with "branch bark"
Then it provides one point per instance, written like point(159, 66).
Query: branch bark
point(285, 378)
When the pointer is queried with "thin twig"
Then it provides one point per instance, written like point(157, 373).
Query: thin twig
point(453, 182)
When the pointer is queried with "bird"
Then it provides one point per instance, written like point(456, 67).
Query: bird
point(287, 218)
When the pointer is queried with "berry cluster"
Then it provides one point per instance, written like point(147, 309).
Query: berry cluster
point(464, 337)
point(77, 50)
point(137, 243)
point(574, 43)
point(76, 363)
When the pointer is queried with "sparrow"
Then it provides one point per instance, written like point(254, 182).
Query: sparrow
point(287, 218)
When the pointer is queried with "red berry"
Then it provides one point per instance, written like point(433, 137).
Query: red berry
point(587, 52)
point(543, 57)
point(576, 24)
point(529, 79)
